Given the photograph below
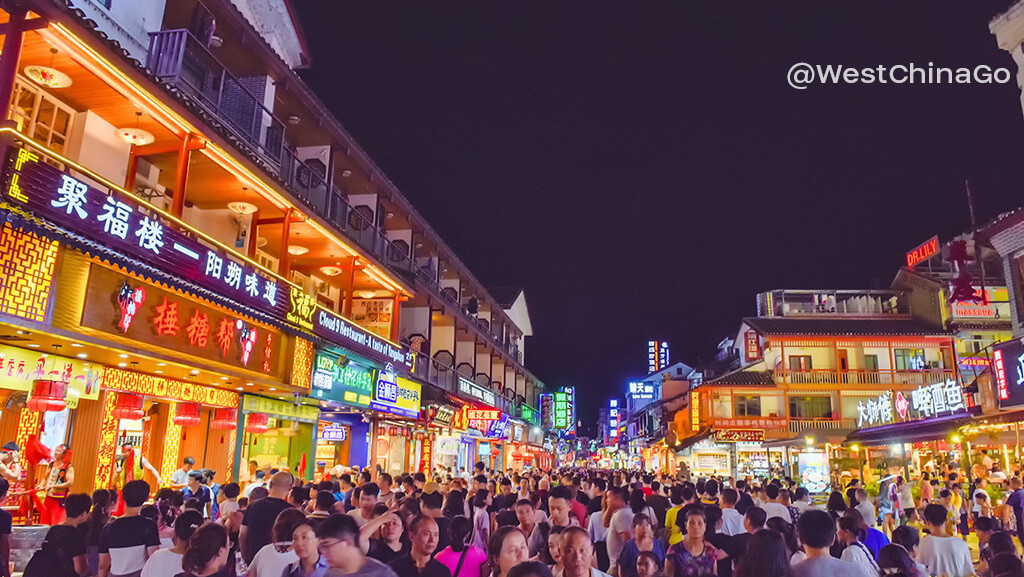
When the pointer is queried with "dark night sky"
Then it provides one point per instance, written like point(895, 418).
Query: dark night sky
point(643, 169)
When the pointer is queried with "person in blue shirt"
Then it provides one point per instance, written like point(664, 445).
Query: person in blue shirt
point(196, 490)
point(1016, 501)
point(874, 539)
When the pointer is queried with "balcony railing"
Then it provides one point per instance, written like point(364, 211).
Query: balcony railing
point(445, 377)
point(863, 377)
point(178, 58)
point(799, 425)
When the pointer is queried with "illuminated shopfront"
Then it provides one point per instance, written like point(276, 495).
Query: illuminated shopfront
point(287, 439)
point(397, 402)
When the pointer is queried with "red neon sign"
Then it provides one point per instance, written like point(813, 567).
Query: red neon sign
point(483, 414)
point(1004, 390)
point(923, 252)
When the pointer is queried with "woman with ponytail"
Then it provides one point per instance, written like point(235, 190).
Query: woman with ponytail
point(850, 534)
point(207, 552)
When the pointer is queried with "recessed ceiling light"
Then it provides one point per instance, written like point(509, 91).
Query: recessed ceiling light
point(297, 250)
point(239, 389)
point(86, 365)
point(77, 345)
point(224, 378)
point(45, 355)
point(20, 332)
point(272, 389)
point(122, 365)
point(161, 364)
point(83, 356)
point(159, 372)
point(123, 356)
point(248, 384)
point(194, 371)
point(33, 345)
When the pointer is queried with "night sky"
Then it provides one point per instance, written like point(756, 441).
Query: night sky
point(643, 169)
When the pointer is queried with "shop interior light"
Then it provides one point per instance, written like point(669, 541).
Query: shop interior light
point(242, 208)
point(956, 438)
point(810, 441)
point(297, 250)
point(83, 356)
point(77, 345)
point(330, 270)
point(366, 294)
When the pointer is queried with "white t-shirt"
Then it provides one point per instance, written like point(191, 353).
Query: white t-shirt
point(977, 508)
point(797, 557)
point(867, 510)
point(596, 528)
point(777, 510)
point(732, 522)
point(947, 556)
point(859, 555)
point(179, 477)
point(622, 521)
point(804, 506)
point(163, 563)
point(252, 486)
point(269, 562)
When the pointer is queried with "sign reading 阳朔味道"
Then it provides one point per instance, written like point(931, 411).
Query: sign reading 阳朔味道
point(132, 227)
point(280, 409)
point(395, 395)
point(468, 387)
point(121, 305)
point(361, 341)
point(740, 435)
point(19, 367)
point(348, 383)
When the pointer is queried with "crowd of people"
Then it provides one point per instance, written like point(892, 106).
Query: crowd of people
point(567, 523)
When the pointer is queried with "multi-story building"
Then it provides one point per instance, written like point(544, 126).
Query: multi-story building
point(817, 364)
point(195, 238)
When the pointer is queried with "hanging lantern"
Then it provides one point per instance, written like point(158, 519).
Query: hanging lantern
point(256, 423)
point(186, 414)
point(432, 436)
point(224, 419)
point(419, 436)
point(129, 406)
point(48, 396)
point(393, 431)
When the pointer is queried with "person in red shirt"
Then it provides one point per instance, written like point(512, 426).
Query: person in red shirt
point(575, 507)
point(646, 487)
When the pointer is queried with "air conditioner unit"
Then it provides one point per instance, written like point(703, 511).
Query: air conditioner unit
point(147, 185)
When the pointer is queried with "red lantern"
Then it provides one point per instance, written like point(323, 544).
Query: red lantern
point(224, 419)
point(393, 431)
point(256, 423)
point(419, 436)
point(48, 396)
point(129, 406)
point(186, 414)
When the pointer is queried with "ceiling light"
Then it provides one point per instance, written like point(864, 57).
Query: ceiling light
point(48, 75)
point(77, 345)
point(248, 384)
point(239, 389)
point(346, 173)
point(223, 378)
point(261, 242)
point(123, 356)
point(297, 250)
point(293, 120)
point(83, 356)
point(159, 372)
point(242, 208)
point(20, 332)
point(330, 270)
point(272, 389)
point(161, 364)
point(366, 294)
point(33, 345)
point(135, 136)
point(195, 371)
point(122, 365)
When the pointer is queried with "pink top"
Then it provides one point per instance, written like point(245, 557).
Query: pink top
point(475, 559)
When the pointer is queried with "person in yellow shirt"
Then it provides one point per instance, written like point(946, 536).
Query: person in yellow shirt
point(676, 497)
point(952, 513)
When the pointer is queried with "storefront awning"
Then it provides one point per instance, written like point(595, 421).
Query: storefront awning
point(817, 437)
point(911, 432)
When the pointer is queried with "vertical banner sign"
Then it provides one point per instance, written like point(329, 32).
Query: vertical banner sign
point(752, 346)
point(561, 410)
point(547, 411)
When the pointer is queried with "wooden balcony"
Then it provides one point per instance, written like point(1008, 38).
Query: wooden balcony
point(863, 377)
point(800, 425)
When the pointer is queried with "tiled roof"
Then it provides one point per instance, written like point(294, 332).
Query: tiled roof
point(841, 326)
point(744, 378)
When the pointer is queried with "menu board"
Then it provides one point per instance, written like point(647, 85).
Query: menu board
point(373, 315)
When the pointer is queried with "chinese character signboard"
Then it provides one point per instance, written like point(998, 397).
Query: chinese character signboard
point(121, 305)
point(395, 395)
point(642, 391)
point(471, 389)
point(443, 415)
point(751, 346)
point(740, 435)
point(19, 367)
point(131, 227)
point(937, 399)
point(1008, 362)
point(496, 428)
point(547, 411)
point(994, 305)
point(334, 433)
point(351, 384)
point(528, 414)
point(143, 384)
point(563, 409)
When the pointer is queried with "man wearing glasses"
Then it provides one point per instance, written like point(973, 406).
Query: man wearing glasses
point(339, 546)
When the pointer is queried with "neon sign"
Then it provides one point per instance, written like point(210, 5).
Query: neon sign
point(923, 252)
point(946, 397)
point(351, 384)
point(641, 391)
point(483, 414)
point(334, 433)
point(129, 299)
point(303, 305)
point(1004, 389)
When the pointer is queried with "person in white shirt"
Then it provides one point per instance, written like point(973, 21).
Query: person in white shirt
point(578, 553)
point(619, 522)
point(986, 461)
point(772, 506)
point(866, 508)
point(167, 562)
point(940, 552)
point(179, 478)
point(802, 500)
point(856, 552)
point(979, 490)
point(732, 521)
point(260, 481)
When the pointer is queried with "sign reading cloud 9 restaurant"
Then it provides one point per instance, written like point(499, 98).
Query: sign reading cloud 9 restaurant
point(351, 383)
point(926, 401)
point(395, 395)
point(123, 306)
point(360, 341)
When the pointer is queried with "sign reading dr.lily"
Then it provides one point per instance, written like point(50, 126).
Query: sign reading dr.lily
point(925, 401)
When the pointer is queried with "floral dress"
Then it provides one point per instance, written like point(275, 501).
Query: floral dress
point(686, 564)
